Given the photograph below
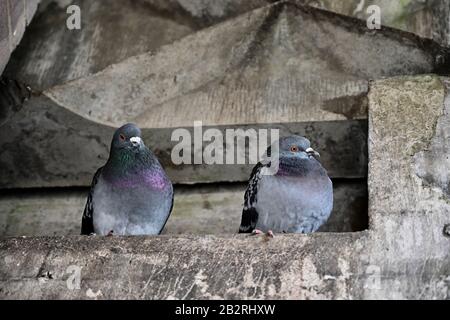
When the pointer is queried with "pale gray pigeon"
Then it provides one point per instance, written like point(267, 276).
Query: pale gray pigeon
point(297, 199)
point(131, 194)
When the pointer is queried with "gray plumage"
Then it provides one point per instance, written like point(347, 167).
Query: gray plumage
point(297, 199)
point(131, 194)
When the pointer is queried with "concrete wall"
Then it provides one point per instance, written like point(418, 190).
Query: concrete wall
point(405, 253)
point(298, 69)
point(48, 141)
point(15, 15)
point(427, 18)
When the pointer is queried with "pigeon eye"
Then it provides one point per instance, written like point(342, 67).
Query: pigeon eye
point(122, 137)
point(294, 149)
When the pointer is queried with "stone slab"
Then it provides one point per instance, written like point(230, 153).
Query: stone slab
point(405, 254)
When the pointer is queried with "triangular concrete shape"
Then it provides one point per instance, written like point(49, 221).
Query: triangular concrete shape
point(283, 62)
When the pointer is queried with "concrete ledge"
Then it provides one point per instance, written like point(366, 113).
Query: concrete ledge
point(184, 267)
point(320, 266)
point(405, 254)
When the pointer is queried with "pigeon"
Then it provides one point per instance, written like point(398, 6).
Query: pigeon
point(131, 194)
point(298, 198)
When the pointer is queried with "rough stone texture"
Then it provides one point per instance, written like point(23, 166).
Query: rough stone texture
point(15, 15)
point(441, 22)
point(283, 63)
point(51, 54)
point(405, 254)
point(5, 48)
point(432, 163)
point(60, 148)
point(427, 18)
point(145, 25)
point(275, 64)
point(12, 97)
point(207, 209)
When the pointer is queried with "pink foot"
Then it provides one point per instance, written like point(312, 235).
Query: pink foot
point(270, 234)
point(257, 232)
point(110, 234)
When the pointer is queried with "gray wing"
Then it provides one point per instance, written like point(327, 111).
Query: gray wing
point(170, 211)
point(249, 213)
point(87, 221)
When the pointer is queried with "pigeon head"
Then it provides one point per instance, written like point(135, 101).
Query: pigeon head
point(296, 157)
point(296, 147)
point(128, 152)
point(127, 139)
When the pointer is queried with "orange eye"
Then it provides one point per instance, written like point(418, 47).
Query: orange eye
point(294, 149)
point(122, 137)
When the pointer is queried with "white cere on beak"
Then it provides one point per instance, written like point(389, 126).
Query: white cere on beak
point(312, 152)
point(136, 141)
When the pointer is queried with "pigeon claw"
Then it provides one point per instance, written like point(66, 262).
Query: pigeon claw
point(110, 234)
point(256, 232)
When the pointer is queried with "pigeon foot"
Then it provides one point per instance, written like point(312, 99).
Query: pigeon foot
point(256, 232)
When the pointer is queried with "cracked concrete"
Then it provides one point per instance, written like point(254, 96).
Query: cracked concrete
point(405, 254)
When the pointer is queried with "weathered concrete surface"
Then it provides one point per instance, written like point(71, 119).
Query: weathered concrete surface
point(15, 15)
point(207, 209)
point(427, 18)
point(188, 267)
point(50, 54)
point(405, 254)
point(12, 97)
point(279, 64)
point(45, 145)
point(431, 164)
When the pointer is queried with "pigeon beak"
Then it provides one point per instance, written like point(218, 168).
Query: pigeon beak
point(136, 141)
point(312, 152)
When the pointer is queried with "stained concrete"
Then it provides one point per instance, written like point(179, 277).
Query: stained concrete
point(275, 64)
point(405, 254)
point(427, 18)
point(303, 69)
point(15, 15)
point(111, 31)
point(146, 24)
point(56, 148)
